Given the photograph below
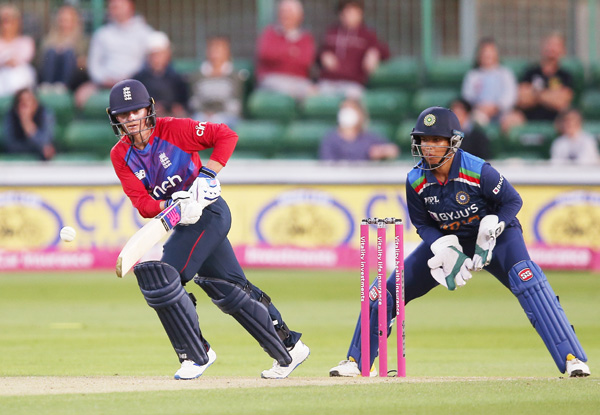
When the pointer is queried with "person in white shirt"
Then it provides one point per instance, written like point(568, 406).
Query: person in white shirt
point(575, 145)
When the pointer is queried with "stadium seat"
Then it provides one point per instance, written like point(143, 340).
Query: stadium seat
point(593, 80)
point(5, 104)
point(592, 127)
point(321, 107)
point(447, 72)
point(590, 104)
point(258, 138)
point(95, 107)
point(302, 139)
point(186, 66)
point(575, 67)
point(531, 140)
point(271, 106)
point(382, 128)
point(62, 105)
point(387, 105)
point(517, 65)
point(88, 136)
point(398, 73)
point(430, 97)
point(402, 138)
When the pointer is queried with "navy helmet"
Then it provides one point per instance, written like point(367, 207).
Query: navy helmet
point(436, 122)
point(130, 95)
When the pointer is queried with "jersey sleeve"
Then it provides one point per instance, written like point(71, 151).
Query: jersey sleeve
point(503, 199)
point(425, 225)
point(133, 188)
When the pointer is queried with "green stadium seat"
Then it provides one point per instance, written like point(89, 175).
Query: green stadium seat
point(431, 97)
point(95, 107)
point(590, 104)
point(517, 65)
point(88, 136)
point(399, 73)
point(78, 157)
point(387, 105)
point(271, 106)
point(186, 66)
point(592, 127)
point(61, 104)
point(575, 67)
point(5, 104)
point(447, 72)
point(402, 138)
point(321, 107)
point(382, 128)
point(531, 140)
point(302, 139)
point(593, 79)
point(258, 138)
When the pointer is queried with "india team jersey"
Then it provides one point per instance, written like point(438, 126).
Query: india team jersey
point(170, 161)
point(473, 190)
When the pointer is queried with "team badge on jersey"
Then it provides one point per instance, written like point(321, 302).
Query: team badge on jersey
point(429, 120)
point(463, 197)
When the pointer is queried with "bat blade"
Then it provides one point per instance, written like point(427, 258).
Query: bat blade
point(145, 238)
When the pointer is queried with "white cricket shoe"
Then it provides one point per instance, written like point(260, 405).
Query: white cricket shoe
point(576, 368)
point(349, 369)
point(299, 354)
point(191, 370)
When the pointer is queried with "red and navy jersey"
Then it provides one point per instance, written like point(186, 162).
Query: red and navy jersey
point(170, 161)
point(473, 190)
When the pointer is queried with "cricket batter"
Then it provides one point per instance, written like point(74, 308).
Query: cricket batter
point(157, 162)
point(465, 212)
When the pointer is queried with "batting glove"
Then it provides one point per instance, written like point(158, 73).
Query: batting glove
point(449, 266)
point(489, 230)
point(191, 210)
point(206, 189)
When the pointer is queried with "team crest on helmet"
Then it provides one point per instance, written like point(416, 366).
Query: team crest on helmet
point(429, 120)
point(127, 94)
point(463, 197)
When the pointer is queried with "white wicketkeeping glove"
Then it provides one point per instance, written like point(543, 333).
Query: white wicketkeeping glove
point(489, 230)
point(206, 190)
point(191, 210)
point(449, 266)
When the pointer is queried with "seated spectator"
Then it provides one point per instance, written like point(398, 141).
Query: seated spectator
point(351, 140)
point(575, 145)
point(117, 49)
point(29, 127)
point(489, 87)
point(350, 52)
point(167, 87)
point(63, 52)
point(476, 140)
point(286, 53)
point(545, 90)
point(16, 53)
point(217, 89)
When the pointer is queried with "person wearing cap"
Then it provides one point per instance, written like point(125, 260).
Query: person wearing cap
point(157, 161)
point(465, 211)
point(164, 84)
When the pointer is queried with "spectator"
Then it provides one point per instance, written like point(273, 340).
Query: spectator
point(476, 140)
point(546, 89)
point(29, 126)
point(63, 64)
point(286, 53)
point(489, 87)
point(574, 145)
point(351, 140)
point(166, 86)
point(16, 53)
point(217, 89)
point(350, 52)
point(117, 49)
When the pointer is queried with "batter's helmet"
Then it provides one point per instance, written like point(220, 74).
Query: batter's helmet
point(129, 95)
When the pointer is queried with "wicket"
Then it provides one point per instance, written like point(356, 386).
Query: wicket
point(380, 287)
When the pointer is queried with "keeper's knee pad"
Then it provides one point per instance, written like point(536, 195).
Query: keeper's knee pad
point(251, 313)
point(161, 286)
point(529, 284)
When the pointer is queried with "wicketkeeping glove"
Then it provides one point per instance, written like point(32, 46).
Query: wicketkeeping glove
point(489, 230)
point(449, 266)
point(206, 189)
point(191, 210)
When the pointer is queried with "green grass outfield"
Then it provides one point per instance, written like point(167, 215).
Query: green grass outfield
point(87, 343)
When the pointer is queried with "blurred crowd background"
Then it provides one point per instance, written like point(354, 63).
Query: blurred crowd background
point(312, 79)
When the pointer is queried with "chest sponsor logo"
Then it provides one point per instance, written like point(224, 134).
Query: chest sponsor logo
point(141, 174)
point(463, 198)
point(161, 190)
point(498, 186)
point(431, 200)
point(526, 274)
point(457, 214)
point(200, 128)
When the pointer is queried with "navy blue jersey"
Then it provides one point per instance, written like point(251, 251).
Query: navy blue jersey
point(473, 190)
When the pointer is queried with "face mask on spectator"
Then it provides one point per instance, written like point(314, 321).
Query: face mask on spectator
point(348, 117)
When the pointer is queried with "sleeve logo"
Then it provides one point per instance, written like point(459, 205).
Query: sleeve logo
point(200, 128)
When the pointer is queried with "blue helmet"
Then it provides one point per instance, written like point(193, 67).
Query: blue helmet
point(436, 122)
point(130, 95)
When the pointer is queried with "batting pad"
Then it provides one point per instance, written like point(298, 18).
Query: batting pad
point(529, 284)
point(250, 313)
point(161, 285)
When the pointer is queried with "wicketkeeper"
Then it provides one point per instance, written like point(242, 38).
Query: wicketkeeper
point(157, 162)
point(465, 212)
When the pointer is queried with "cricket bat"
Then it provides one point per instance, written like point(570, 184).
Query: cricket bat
point(148, 236)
